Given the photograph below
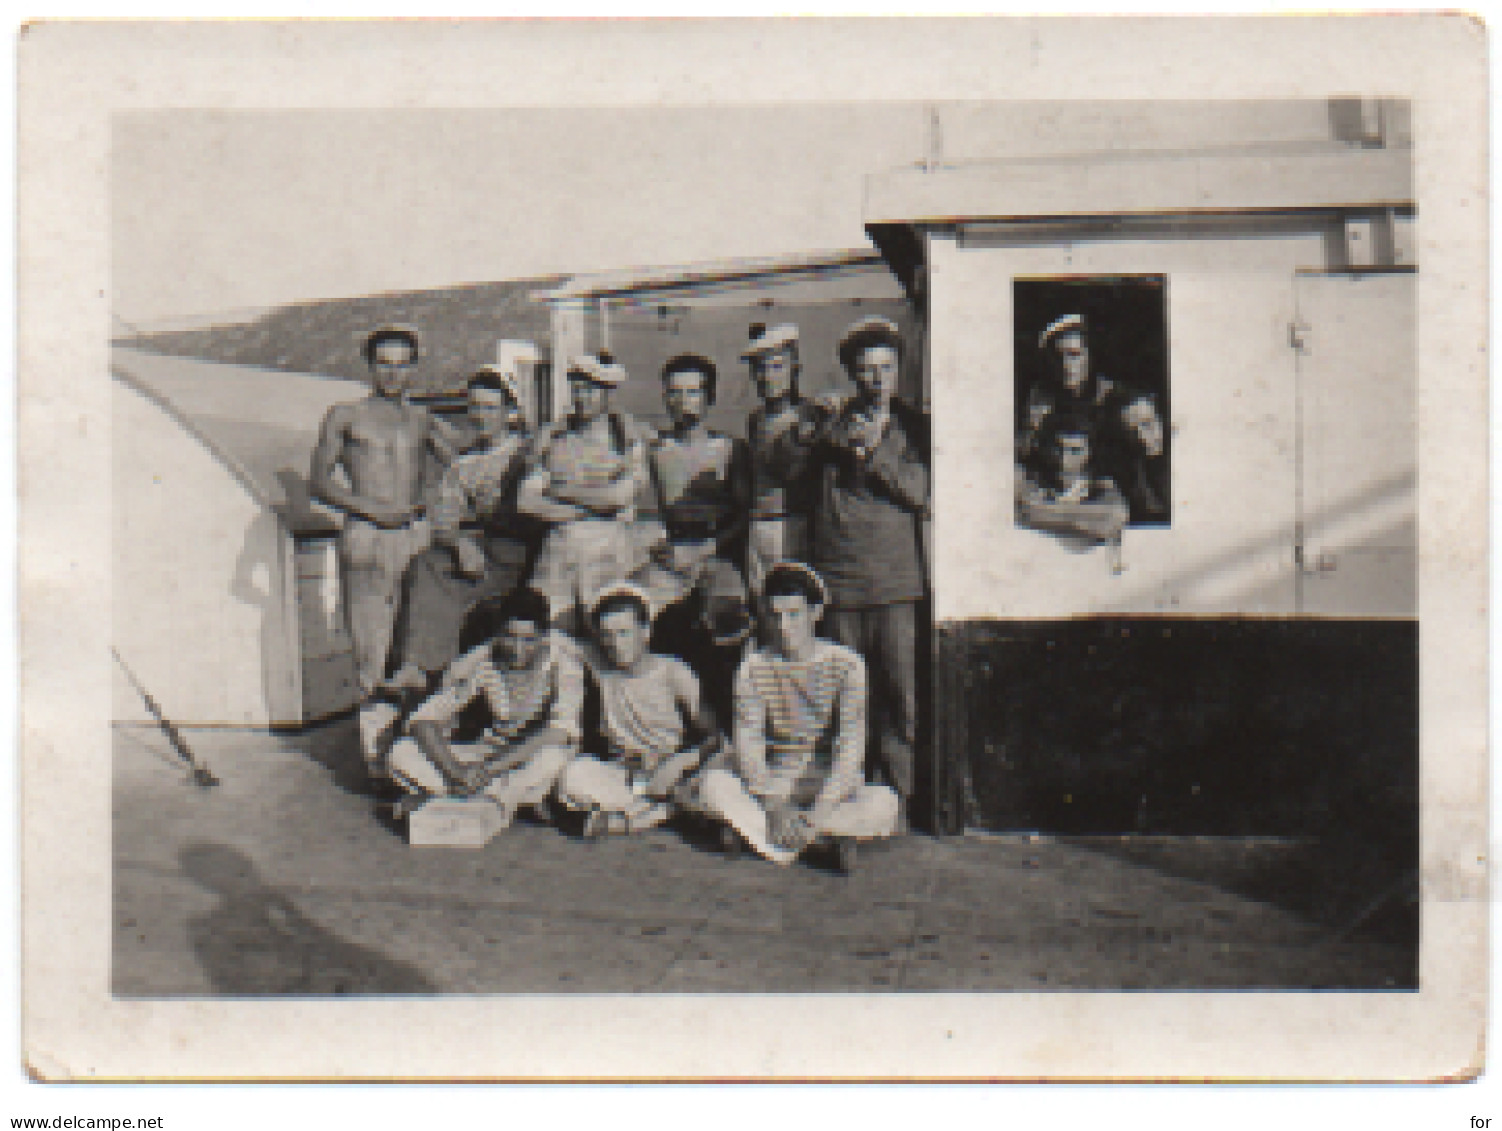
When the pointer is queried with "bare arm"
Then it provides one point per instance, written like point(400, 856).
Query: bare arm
point(434, 744)
point(534, 499)
point(543, 496)
point(1109, 510)
point(446, 439)
point(701, 732)
point(562, 727)
point(1100, 518)
point(509, 757)
point(566, 714)
point(327, 456)
point(452, 507)
point(670, 771)
point(616, 494)
point(430, 723)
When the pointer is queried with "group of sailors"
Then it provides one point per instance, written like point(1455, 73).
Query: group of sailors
point(1091, 450)
point(658, 622)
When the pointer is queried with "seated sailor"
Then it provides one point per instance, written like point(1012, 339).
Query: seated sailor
point(800, 733)
point(505, 719)
point(652, 730)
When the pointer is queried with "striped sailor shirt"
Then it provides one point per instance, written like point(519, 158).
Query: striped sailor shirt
point(800, 725)
point(513, 704)
point(644, 713)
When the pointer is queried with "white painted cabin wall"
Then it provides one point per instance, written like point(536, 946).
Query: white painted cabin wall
point(201, 569)
point(1232, 380)
point(568, 334)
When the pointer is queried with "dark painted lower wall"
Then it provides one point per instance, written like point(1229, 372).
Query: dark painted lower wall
point(1181, 726)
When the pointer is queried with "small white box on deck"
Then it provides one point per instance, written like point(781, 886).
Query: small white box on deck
point(455, 822)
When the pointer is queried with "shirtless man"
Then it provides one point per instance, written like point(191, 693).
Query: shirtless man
point(378, 444)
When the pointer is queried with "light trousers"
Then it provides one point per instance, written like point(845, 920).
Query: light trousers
point(578, 560)
point(593, 783)
point(372, 564)
point(868, 813)
point(527, 784)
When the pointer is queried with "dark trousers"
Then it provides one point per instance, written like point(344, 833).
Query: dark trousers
point(439, 598)
point(886, 636)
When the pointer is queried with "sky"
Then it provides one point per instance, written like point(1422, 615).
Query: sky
point(216, 212)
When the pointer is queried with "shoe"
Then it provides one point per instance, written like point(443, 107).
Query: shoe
point(617, 824)
point(405, 805)
point(376, 721)
point(383, 789)
point(731, 843)
point(650, 818)
point(596, 824)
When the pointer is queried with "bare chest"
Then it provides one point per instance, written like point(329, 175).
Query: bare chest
point(384, 434)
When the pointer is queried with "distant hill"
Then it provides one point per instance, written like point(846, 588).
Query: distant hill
point(460, 326)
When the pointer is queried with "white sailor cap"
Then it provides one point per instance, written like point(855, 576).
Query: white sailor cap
point(1062, 325)
point(773, 338)
point(391, 331)
point(806, 571)
point(504, 376)
point(871, 331)
point(621, 589)
point(606, 373)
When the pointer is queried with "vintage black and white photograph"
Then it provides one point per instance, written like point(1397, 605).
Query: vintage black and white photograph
point(948, 554)
point(573, 629)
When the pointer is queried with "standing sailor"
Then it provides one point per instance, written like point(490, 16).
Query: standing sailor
point(480, 544)
point(368, 465)
point(870, 468)
point(584, 483)
point(780, 498)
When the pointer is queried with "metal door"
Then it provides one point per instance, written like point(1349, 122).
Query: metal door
point(1357, 444)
